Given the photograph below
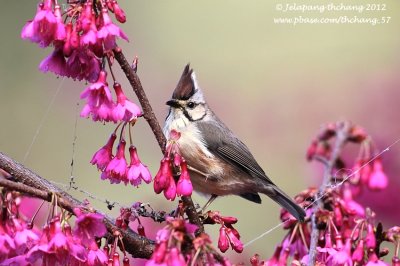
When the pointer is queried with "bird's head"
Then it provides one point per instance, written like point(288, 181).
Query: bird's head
point(188, 99)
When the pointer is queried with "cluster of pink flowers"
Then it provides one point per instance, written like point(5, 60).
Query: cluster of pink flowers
point(228, 235)
point(127, 215)
point(100, 104)
point(55, 244)
point(174, 237)
point(348, 234)
point(115, 168)
point(80, 39)
point(81, 44)
point(172, 163)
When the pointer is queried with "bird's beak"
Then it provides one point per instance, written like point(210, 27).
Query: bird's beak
point(173, 103)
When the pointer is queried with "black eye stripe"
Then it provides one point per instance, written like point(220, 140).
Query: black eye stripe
point(189, 117)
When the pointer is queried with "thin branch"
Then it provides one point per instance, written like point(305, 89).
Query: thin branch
point(342, 135)
point(151, 119)
point(148, 113)
point(32, 184)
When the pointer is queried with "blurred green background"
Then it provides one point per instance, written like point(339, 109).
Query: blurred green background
point(273, 85)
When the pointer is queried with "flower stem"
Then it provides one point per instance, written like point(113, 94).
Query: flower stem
point(342, 134)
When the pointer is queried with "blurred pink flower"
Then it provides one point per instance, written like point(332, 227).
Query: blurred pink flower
point(54, 62)
point(88, 226)
point(96, 256)
point(378, 179)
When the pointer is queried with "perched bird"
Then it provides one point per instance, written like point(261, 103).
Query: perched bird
point(220, 164)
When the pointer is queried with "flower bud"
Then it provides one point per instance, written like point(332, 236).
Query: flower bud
point(223, 242)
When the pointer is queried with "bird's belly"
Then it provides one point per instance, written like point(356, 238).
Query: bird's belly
point(212, 175)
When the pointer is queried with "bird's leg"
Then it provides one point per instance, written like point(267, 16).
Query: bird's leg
point(212, 198)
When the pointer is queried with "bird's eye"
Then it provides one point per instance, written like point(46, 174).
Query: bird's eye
point(191, 105)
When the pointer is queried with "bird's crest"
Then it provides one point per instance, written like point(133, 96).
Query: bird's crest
point(186, 86)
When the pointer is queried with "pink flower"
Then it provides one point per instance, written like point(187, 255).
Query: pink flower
point(378, 179)
point(175, 258)
point(349, 204)
point(57, 246)
point(163, 176)
point(170, 190)
point(370, 240)
point(184, 186)
point(59, 34)
point(117, 167)
point(373, 260)
point(109, 31)
point(87, 15)
point(89, 37)
point(88, 226)
point(358, 253)
point(99, 100)
point(159, 253)
point(137, 171)
point(24, 238)
point(83, 64)
point(103, 156)
point(16, 261)
point(223, 242)
point(96, 256)
point(124, 110)
point(6, 244)
point(55, 62)
point(234, 240)
point(119, 13)
point(88, 24)
point(42, 29)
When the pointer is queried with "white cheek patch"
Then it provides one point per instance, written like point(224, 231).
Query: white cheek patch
point(190, 135)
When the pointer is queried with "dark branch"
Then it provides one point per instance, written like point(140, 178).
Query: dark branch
point(151, 119)
point(148, 113)
point(28, 182)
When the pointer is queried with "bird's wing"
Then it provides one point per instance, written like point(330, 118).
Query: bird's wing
point(223, 143)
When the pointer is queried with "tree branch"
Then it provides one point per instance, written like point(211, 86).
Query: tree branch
point(32, 184)
point(342, 135)
point(151, 119)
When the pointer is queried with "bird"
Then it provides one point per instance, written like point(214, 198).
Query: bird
point(220, 163)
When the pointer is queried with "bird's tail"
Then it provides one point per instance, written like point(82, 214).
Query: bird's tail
point(285, 201)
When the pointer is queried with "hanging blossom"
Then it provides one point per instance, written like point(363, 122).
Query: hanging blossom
point(171, 239)
point(100, 104)
point(128, 215)
point(115, 168)
point(164, 180)
point(56, 243)
point(80, 43)
point(228, 235)
point(348, 234)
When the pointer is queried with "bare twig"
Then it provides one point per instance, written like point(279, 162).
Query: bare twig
point(342, 134)
point(32, 184)
point(151, 119)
